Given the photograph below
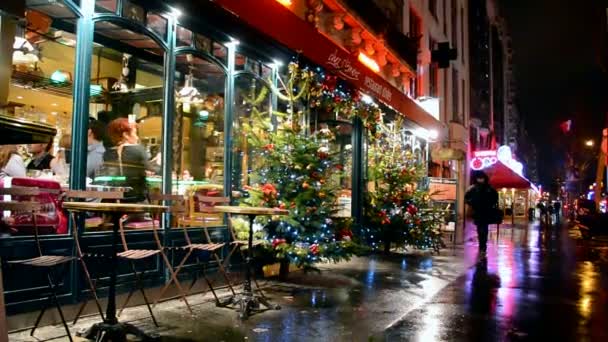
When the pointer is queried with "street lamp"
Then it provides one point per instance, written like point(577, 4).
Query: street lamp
point(589, 143)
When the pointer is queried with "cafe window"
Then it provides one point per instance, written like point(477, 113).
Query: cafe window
point(252, 104)
point(198, 140)
point(125, 116)
point(40, 90)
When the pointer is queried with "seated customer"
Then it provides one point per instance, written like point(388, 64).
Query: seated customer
point(11, 163)
point(61, 163)
point(42, 156)
point(95, 149)
point(127, 158)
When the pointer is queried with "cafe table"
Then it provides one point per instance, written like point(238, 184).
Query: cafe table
point(110, 329)
point(247, 301)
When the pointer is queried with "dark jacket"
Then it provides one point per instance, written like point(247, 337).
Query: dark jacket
point(42, 162)
point(484, 200)
point(132, 163)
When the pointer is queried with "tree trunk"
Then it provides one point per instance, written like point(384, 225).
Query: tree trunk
point(284, 270)
point(387, 246)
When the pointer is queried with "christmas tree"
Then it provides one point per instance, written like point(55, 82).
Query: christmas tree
point(295, 169)
point(397, 211)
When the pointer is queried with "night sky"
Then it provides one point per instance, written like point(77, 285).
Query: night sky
point(558, 47)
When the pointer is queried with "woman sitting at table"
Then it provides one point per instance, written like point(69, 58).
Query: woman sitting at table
point(42, 156)
point(11, 163)
point(127, 158)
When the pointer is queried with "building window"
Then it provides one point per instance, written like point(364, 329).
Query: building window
point(456, 116)
point(464, 102)
point(462, 44)
point(445, 16)
point(454, 26)
point(433, 8)
point(433, 73)
point(415, 24)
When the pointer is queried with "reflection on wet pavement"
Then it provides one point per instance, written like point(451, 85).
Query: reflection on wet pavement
point(534, 285)
point(537, 284)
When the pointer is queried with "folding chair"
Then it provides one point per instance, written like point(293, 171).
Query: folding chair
point(133, 255)
point(198, 248)
point(47, 262)
point(89, 195)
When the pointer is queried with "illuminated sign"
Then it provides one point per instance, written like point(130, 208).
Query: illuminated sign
point(485, 159)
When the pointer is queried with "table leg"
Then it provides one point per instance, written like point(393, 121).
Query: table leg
point(111, 309)
point(111, 329)
point(247, 285)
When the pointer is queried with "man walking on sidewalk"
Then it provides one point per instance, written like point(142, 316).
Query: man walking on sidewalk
point(484, 201)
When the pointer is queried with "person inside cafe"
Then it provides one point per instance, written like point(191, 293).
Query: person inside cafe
point(11, 162)
point(127, 158)
point(60, 165)
point(95, 148)
point(41, 156)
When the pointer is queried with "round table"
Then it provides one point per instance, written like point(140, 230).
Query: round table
point(111, 329)
point(247, 301)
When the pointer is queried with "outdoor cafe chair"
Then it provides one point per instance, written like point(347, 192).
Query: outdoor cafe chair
point(135, 255)
point(198, 249)
point(49, 263)
point(89, 196)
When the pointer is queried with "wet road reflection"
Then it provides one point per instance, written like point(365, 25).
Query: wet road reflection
point(536, 284)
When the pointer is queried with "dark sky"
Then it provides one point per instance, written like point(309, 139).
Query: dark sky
point(558, 47)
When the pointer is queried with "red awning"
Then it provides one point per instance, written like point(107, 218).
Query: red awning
point(501, 176)
point(279, 23)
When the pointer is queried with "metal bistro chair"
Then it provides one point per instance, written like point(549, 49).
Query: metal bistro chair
point(47, 262)
point(209, 246)
point(88, 195)
point(133, 255)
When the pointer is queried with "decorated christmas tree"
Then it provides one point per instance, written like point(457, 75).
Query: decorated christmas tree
point(295, 169)
point(397, 211)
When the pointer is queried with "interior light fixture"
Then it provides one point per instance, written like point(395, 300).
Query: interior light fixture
point(188, 94)
point(174, 12)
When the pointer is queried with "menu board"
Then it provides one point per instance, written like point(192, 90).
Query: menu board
point(443, 189)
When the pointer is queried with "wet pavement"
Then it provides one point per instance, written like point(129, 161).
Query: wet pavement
point(536, 285)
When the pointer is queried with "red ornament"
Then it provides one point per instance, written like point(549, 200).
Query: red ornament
point(412, 209)
point(314, 249)
point(269, 147)
point(277, 242)
point(340, 167)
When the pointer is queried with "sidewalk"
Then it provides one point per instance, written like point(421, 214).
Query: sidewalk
point(371, 298)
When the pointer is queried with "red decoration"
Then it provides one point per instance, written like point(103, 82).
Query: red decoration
point(269, 190)
point(314, 249)
point(277, 242)
point(412, 209)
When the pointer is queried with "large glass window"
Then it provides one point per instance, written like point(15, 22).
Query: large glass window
point(198, 140)
point(252, 105)
point(40, 91)
point(125, 116)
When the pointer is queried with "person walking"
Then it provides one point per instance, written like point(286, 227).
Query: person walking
point(483, 199)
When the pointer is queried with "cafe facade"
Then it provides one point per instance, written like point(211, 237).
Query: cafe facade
point(180, 71)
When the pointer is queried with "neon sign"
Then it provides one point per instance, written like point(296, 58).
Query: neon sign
point(485, 159)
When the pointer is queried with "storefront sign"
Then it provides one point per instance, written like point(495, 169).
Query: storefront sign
point(279, 23)
point(443, 189)
point(343, 66)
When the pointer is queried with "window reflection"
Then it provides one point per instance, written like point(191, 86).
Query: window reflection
point(252, 102)
point(198, 138)
point(125, 117)
point(40, 91)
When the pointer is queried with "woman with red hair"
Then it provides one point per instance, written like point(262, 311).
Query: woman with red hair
point(127, 158)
